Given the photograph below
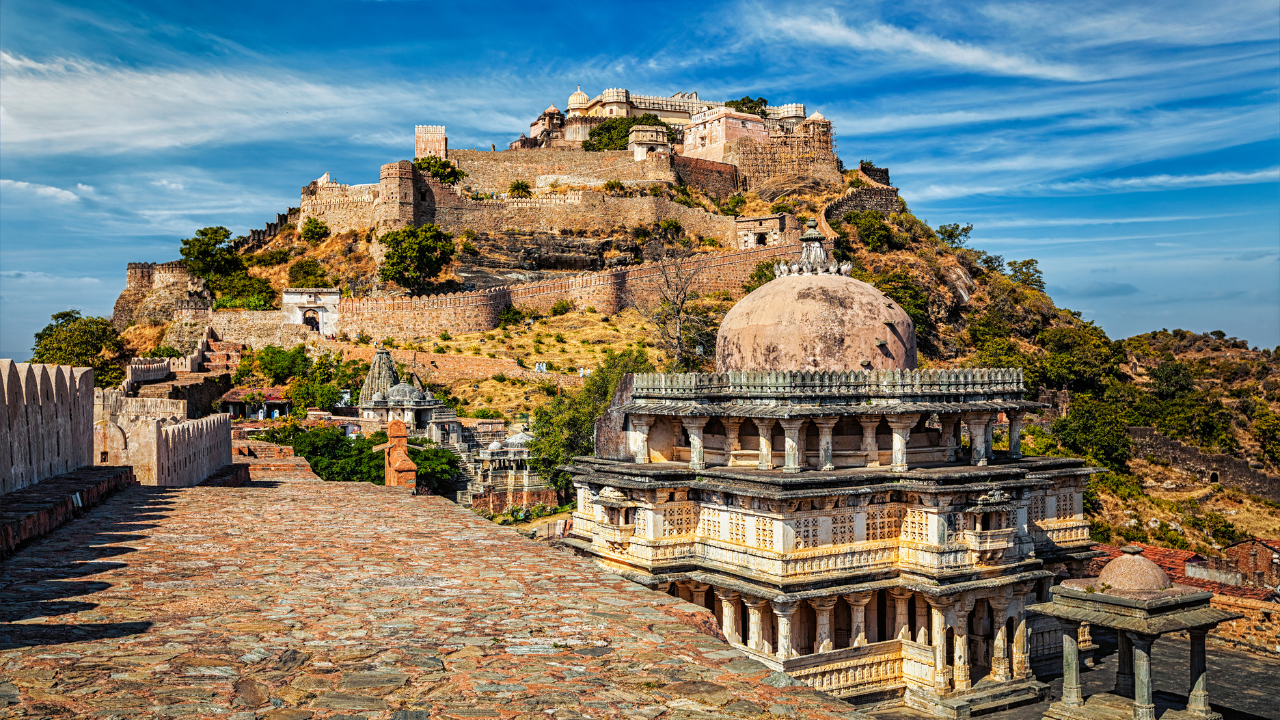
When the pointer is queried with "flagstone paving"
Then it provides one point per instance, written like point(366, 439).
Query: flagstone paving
point(288, 599)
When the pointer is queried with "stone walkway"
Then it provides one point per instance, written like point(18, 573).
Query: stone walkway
point(289, 600)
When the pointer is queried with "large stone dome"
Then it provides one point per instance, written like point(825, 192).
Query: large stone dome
point(1132, 572)
point(405, 391)
point(816, 322)
point(578, 99)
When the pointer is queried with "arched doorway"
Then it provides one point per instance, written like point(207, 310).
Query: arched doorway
point(311, 319)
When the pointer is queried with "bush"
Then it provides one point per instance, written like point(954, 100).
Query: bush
point(873, 231)
point(612, 133)
point(439, 168)
point(307, 273)
point(562, 306)
point(762, 274)
point(520, 189)
point(415, 255)
point(469, 248)
point(614, 186)
point(314, 230)
point(267, 258)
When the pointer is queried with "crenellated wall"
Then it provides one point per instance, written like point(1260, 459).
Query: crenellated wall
point(188, 453)
point(45, 423)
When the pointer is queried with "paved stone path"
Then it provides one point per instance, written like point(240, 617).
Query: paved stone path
point(289, 600)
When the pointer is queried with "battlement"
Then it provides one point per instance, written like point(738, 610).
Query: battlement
point(147, 276)
point(430, 140)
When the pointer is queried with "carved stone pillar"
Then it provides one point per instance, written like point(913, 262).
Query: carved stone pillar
point(640, 437)
point(1071, 696)
point(977, 423)
point(826, 456)
point(822, 608)
point(869, 447)
point(729, 614)
point(766, 443)
point(1015, 434)
point(922, 619)
point(791, 444)
point(783, 612)
point(858, 626)
point(961, 641)
point(698, 593)
point(684, 592)
point(1198, 694)
point(901, 426)
point(697, 456)
point(948, 436)
point(1143, 707)
point(1000, 669)
point(731, 440)
point(755, 623)
point(987, 440)
point(941, 679)
point(900, 597)
point(1022, 646)
point(1124, 666)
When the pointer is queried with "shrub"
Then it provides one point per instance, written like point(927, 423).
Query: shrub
point(469, 248)
point(614, 186)
point(520, 189)
point(562, 306)
point(439, 168)
point(314, 230)
point(267, 258)
point(444, 335)
point(307, 273)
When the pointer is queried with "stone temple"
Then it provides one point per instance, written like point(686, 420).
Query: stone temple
point(815, 494)
point(385, 398)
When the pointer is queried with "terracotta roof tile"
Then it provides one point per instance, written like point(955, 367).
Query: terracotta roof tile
point(1174, 564)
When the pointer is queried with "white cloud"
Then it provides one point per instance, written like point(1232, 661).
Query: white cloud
point(174, 185)
point(28, 278)
point(42, 192)
point(1165, 182)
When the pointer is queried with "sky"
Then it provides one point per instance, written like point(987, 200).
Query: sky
point(1132, 148)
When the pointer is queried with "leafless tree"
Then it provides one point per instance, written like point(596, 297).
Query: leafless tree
point(683, 325)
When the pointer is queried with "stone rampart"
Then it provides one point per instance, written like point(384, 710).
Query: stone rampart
point(259, 328)
point(876, 174)
point(127, 412)
point(189, 452)
point(495, 171)
point(1222, 469)
point(608, 292)
point(38, 509)
point(46, 423)
point(144, 370)
point(883, 199)
point(717, 179)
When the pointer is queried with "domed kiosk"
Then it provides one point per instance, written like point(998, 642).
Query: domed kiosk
point(384, 398)
point(815, 494)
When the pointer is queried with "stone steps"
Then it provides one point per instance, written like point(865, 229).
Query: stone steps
point(987, 696)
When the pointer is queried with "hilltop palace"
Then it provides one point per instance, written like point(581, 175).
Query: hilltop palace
point(813, 493)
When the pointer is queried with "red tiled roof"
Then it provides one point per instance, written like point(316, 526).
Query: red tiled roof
point(271, 394)
point(1174, 564)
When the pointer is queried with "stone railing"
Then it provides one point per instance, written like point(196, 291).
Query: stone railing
point(871, 666)
point(142, 370)
point(975, 384)
point(192, 362)
point(917, 663)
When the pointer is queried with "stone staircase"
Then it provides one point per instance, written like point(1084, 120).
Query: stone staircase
point(223, 357)
point(987, 696)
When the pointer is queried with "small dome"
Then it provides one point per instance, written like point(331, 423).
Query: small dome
point(405, 391)
point(1131, 571)
point(578, 100)
point(551, 109)
point(815, 323)
point(817, 116)
point(518, 440)
point(495, 445)
point(379, 397)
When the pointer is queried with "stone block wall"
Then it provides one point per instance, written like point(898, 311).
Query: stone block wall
point(1258, 631)
point(495, 171)
point(717, 179)
point(46, 422)
point(876, 174)
point(128, 412)
point(883, 199)
point(191, 451)
point(259, 328)
point(1222, 469)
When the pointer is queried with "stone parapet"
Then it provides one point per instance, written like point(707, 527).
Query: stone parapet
point(35, 511)
point(46, 422)
point(858, 386)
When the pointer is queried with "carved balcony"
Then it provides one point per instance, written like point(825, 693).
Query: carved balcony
point(988, 546)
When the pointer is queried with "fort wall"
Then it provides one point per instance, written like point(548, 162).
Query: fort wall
point(495, 171)
point(1258, 631)
point(1222, 469)
point(259, 328)
point(717, 179)
point(128, 412)
point(883, 199)
point(192, 451)
point(45, 423)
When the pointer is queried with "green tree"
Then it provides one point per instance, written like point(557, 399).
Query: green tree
point(763, 273)
point(209, 254)
point(1266, 431)
point(82, 342)
point(415, 255)
point(306, 393)
point(519, 189)
point(612, 133)
point(873, 231)
point(1080, 359)
point(440, 169)
point(336, 458)
point(954, 234)
point(564, 427)
point(314, 230)
point(437, 468)
point(1027, 273)
point(904, 290)
point(279, 365)
point(307, 273)
point(1097, 430)
point(1172, 379)
point(749, 106)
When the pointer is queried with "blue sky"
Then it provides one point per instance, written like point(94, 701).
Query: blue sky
point(1133, 148)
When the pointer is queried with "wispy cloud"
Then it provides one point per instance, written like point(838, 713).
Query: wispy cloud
point(1162, 182)
point(26, 191)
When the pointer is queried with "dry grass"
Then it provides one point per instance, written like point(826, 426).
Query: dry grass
point(142, 340)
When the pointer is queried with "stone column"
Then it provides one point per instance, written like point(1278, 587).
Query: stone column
point(977, 423)
point(901, 426)
point(684, 592)
point(1143, 707)
point(987, 440)
point(783, 612)
point(948, 436)
point(1198, 695)
point(826, 457)
point(961, 654)
point(1071, 696)
point(697, 457)
point(766, 443)
point(900, 598)
point(922, 619)
point(640, 438)
point(941, 681)
point(791, 444)
point(731, 441)
point(1124, 666)
point(858, 626)
point(1015, 434)
point(869, 447)
point(1000, 653)
point(1022, 646)
point(755, 624)
point(698, 593)
point(729, 614)
point(822, 608)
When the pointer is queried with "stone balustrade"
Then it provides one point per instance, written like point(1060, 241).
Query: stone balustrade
point(858, 386)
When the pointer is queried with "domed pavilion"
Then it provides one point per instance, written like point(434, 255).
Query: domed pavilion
point(844, 514)
point(1133, 596)
point(384, 398)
